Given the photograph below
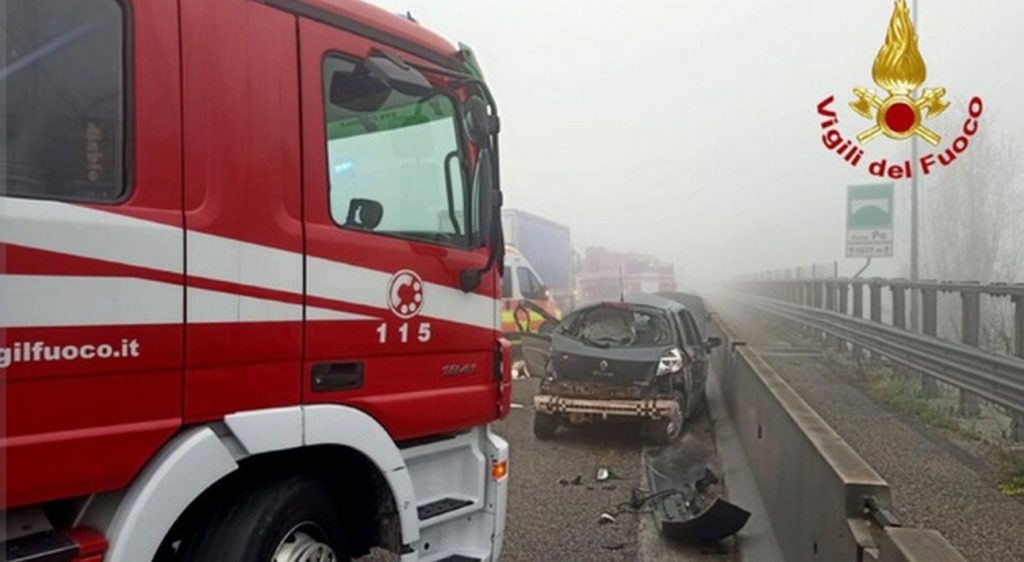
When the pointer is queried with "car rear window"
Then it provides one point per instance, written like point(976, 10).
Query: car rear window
point(620, 326)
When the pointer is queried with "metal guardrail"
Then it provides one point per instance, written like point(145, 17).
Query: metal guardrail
point(824, 502)
point(837, 292)
point(996, 378)
point(847, 296)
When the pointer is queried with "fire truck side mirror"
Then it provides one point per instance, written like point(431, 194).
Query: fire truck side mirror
point(364, 214)
point(479, 123)
point(488, 200)
point(486, 194)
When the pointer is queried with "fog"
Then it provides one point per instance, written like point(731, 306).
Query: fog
point(688, 129)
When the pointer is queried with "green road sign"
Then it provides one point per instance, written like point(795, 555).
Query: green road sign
point(869, 221)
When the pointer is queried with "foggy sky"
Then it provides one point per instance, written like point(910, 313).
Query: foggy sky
point(688, 129)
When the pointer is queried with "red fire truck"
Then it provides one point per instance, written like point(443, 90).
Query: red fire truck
point(250, 281)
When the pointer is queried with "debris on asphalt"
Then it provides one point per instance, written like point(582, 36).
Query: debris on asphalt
point(606, 518)
point(604, 474)
point(614, 546)
point(574, 482)
point(685, 498)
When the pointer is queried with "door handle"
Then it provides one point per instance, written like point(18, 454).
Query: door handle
point(347, 375)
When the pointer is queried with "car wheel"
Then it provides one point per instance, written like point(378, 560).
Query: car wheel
point(545, 425)
point(289, 520)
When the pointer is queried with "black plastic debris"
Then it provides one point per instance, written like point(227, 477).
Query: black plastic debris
point(686, 502)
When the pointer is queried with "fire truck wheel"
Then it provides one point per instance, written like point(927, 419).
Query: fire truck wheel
point(545, 425)
point(289, 520)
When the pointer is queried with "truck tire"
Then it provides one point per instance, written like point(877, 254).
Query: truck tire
point(290, 520)
point(545, 425)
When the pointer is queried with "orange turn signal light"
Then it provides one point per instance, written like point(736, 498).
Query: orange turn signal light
point(499, 470)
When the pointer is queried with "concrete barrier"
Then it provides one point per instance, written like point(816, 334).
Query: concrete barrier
point(824, 501)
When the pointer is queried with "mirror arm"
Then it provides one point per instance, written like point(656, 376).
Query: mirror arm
point(469, 279)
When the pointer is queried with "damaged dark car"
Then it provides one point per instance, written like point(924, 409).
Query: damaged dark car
point(644, 359)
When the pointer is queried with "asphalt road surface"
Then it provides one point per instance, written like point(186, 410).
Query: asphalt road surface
point(550, 515)
point(555, 502)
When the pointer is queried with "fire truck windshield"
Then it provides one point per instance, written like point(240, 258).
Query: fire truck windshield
point(401, 152)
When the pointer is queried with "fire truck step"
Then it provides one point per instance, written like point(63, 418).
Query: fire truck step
point(460, 558)
point(440, 507)
point(40, 546)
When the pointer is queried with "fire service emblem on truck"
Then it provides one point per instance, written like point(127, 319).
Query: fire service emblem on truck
point(405, 293)
point(900, 70)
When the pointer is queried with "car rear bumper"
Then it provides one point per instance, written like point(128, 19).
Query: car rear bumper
point(647, 408)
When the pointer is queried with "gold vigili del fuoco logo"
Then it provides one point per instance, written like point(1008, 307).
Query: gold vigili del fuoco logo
point(900, 70)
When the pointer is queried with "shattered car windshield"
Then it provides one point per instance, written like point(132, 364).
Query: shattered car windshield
point(620, 327)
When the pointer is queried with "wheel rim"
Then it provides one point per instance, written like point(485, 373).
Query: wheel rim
point(302, 545)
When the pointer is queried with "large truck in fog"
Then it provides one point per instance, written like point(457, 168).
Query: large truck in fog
point(231, 328)
point(607, 275)
point(547, 246)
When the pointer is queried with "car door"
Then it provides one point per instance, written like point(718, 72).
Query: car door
point(388, 330)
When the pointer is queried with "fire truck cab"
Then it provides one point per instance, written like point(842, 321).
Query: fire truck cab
point(231, 324)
